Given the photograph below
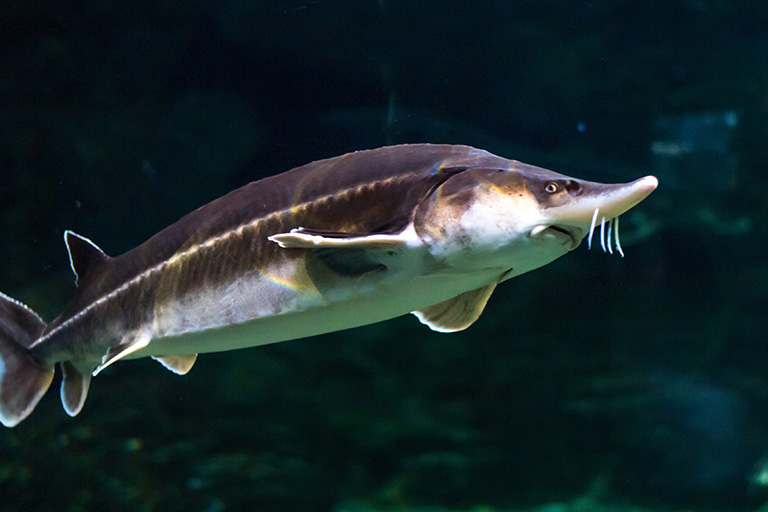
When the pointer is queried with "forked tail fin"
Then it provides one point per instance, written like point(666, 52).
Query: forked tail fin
point(23, 381)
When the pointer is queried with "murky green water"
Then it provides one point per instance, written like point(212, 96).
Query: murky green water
point(594, 383)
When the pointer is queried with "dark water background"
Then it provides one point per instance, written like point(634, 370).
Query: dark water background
point(595, 383)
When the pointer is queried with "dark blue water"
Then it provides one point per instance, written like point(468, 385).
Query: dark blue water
point(595, 383)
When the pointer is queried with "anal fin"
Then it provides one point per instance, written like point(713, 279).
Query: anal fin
point(458, 313)
point(127, 346)
point(177, 364)
point(74, 388)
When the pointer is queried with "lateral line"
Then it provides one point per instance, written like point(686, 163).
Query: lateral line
point(253, 223)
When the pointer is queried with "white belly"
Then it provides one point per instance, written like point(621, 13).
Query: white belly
point(291, 315)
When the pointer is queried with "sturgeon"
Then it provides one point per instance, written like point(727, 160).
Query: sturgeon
point(335, 244)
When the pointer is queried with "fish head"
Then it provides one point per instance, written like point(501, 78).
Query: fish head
point(519, 217)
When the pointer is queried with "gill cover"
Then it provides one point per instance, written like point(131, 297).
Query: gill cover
point(440, 215)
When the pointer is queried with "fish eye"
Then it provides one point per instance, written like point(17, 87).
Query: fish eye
point(551, 187)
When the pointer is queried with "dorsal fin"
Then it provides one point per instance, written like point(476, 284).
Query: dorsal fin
point(82, 254)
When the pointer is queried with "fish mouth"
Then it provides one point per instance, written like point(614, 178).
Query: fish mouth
point(568, 236)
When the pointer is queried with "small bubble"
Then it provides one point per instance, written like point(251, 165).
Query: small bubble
point(581, 127)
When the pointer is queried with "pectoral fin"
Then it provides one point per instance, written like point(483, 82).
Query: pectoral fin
point(309, 239)
point(349, 255)
point(458, 313)
point(177, 364)
point(128, 345)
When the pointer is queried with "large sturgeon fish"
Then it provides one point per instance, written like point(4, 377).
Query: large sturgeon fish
point(335, 244)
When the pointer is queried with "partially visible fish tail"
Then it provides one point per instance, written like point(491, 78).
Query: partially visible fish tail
point(23, 381)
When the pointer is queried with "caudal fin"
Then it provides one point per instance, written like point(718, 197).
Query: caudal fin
point(23, 381)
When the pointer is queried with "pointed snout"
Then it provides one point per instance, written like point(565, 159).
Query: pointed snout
point(614, 200)
point(611, 199)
